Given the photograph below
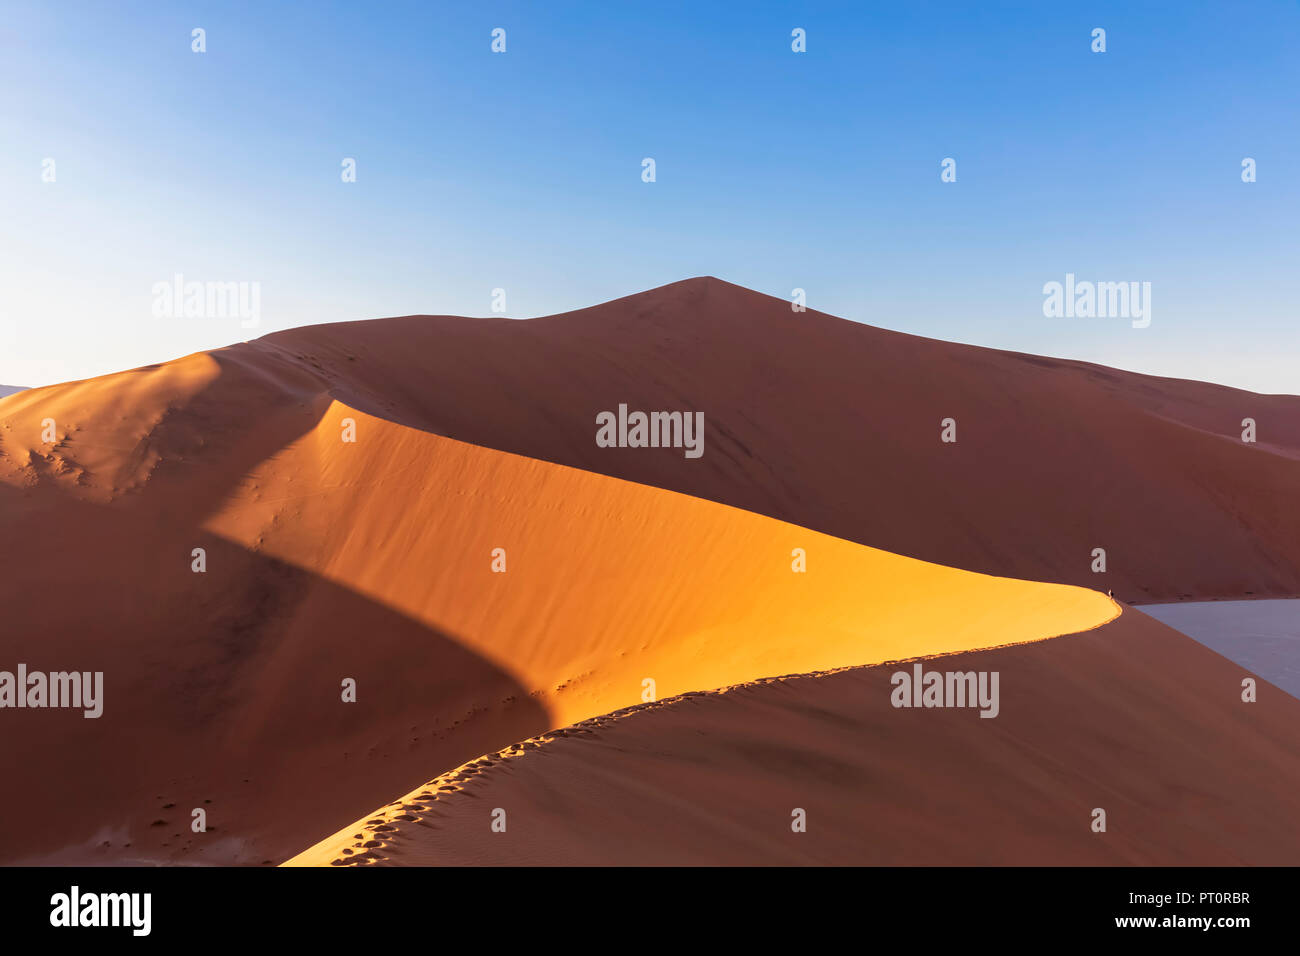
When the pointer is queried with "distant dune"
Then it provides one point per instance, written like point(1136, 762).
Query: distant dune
point(10, 389)
point(1131, 718)
point(835, 425)
point(326, 560)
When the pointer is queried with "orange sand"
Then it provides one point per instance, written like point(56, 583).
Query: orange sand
point(835, 425)
point(1133, 718)
point(372, 560)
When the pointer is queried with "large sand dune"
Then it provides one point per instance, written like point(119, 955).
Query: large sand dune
point(835, 425)
point(1132, 718)
point(372, 560)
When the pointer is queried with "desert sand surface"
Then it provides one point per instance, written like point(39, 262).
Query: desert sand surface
point(327, 560)
point(835, 425)
point(372, 560)
point(1132, 718)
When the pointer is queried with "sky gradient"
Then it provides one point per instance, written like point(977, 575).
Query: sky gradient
point(775, 170)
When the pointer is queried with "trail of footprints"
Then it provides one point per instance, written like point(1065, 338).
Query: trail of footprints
point(379, 838)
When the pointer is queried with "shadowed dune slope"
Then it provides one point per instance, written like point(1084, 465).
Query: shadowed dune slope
point(372, 560)
point(835, 425)
point(1133, 718)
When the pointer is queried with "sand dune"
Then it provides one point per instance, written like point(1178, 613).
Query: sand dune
point(835, 425)
point(1132, 718)
point(372, 560)
point(6, 390)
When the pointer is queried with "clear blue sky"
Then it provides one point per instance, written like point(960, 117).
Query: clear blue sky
point(774, 169)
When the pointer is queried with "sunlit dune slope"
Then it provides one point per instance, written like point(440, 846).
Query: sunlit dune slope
point(835, 425)
point(608, 583)
point(1131, 718)
point(372, 560)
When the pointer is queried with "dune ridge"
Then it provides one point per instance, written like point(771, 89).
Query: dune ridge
point(818, 420)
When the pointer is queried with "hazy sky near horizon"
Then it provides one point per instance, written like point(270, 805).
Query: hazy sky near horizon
point(775, 170)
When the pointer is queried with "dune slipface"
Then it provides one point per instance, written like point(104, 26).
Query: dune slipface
point(1132, 718)
point(835, 426)
point(205, 535)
